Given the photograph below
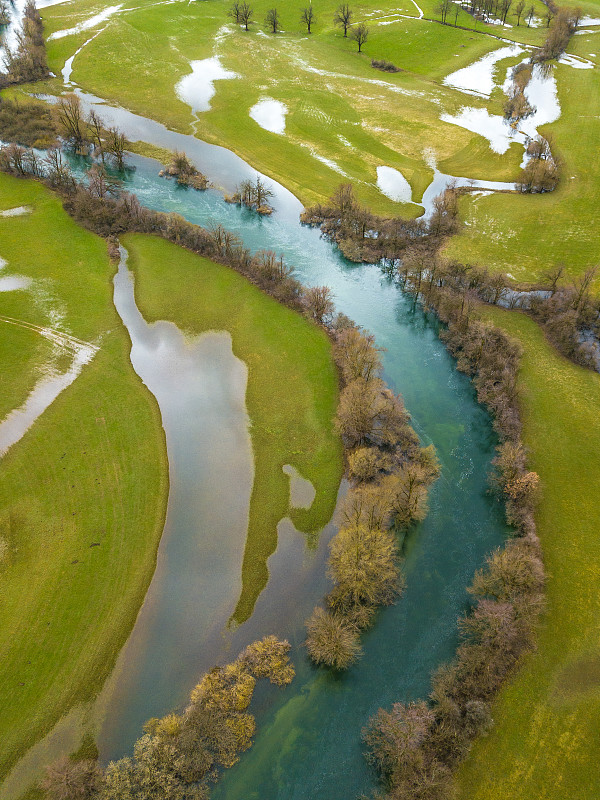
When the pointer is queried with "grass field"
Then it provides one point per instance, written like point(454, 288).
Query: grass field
point(546, 736)
point(344, 117)
point(91, 470)
point(291, 395)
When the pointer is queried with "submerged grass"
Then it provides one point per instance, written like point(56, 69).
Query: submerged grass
point(546, 735)
point(83, 494)
point(291, 394)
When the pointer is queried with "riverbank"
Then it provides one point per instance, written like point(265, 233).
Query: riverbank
point(546, 734)
point(83, 494)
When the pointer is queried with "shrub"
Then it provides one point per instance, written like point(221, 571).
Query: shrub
point(331, 641)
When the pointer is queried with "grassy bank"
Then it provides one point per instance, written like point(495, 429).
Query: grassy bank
point(344, 118)
point(82, 495)
point(546, 736)
point(291, 395)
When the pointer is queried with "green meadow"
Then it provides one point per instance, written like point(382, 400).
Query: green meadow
point(83, 493)
point(344, 118)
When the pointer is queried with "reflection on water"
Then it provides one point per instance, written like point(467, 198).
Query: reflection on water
point(200, 387)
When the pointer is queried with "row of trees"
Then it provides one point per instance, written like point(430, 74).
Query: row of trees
point(363, 236)
point(494, 11)
point(416, 746)
point(390, 475)
point(27, 62)
point(86, 133)
point(180, 755)
point(565, 23)
point(242, 13)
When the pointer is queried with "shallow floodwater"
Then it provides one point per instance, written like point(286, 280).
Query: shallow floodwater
point(394, 185)
point(200, 387)
point(270, 115)
point(198, 89)
point(308, 739)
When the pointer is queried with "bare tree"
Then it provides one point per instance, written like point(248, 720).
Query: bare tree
point(246, 12)
point(360, 34)
point(116, 144)
point(319, 303)
point(548, 16)
point(443, 8)
point(101, 185)
point(58, 173)
point(553, 276)
point(71, 120)
point(308, 17)
point(272, 20)
point(262, 194)
point(343, 17)
point(96, 130)
point(234, 12)
point(505, 8)
point(530, 15)
point(519, 9)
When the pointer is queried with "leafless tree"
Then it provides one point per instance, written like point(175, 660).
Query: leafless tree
point(530, 15)
point(246, 12)
point(519, 9)
point(343, 16)
point(308, 17)
point(272, 20)
point(96, 131)
point(116, 144)
point(71, 120)
point(504, 9)
point(101, 185)
point(443, 8)
point(360, 34)
point(234, 12)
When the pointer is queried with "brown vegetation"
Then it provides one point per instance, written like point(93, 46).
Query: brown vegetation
point(384, 66)
point(27, 63)
point(185, 172)
point(180, 755)
point(390, 473)
point(29, 124)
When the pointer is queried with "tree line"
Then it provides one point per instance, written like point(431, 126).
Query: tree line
point(390, 474)
point(242, 13)
point(416, 747)
point(180, 756)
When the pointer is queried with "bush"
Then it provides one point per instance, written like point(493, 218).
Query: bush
point(331, 641)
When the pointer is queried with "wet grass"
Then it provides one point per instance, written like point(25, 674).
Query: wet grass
point(344, 118)
point(291, 394)
point(526, 235)
point(82, 495)
point(546, 736)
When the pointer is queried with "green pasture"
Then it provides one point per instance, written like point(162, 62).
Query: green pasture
point(344, 117)
point(82, 495)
